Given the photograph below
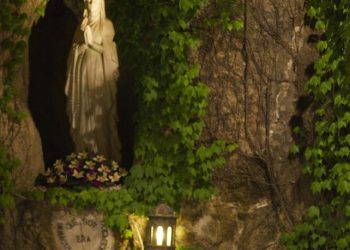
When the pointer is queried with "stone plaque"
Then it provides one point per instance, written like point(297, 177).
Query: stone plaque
point(81, 232)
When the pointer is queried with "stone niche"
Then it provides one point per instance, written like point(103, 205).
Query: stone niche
point(49, 46)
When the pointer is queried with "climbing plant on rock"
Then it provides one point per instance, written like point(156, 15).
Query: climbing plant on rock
point(170, 163)
point(327, 224)
point(13, 35)
point(154, 38)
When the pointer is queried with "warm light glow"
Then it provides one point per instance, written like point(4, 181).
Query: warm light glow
point(168, 236)
point(152, 234)
point(159, 236)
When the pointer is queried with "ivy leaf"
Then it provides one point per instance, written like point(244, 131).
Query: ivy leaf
point(127, 234)
point(313, 212)
point(183, 24)
point(326, 86)
point(294, 149)
point(316, 187)
point(185, 5)
point(37, 195)
point(314, 82)
point(342, 244)
point(320, 25)
point(232, 147)
point(347, 210)
point(322, 46)
point(308, 154)
point(238, 25)
point(312, 12)
point(343, 186)
point(7, 200)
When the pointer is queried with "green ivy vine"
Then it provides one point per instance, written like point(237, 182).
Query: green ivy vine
point(171, 163)
point(327, 225)
point(12, 43)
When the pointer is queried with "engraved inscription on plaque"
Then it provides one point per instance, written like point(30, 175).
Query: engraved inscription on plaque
point(74, 232)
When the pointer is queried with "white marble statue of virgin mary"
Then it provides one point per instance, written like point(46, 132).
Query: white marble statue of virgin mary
point(91, 84)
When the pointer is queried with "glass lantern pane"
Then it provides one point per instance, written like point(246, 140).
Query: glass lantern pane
point(168, 236)
point(159, 236)
point(152, 235)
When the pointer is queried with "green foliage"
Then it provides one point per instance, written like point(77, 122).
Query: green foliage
point(223, 13)
point(13, 42)
point(116, 205)
point(6, 184)
point(327, 226)
point(154, 38)
point(171, 164)
point(12, 24)
point(188, 248)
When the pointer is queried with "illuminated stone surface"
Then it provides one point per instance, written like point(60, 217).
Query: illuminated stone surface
point(91, 84)
point(76, 232)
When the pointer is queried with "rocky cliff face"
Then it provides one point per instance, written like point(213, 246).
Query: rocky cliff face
point(22, 141)
point(256, 80)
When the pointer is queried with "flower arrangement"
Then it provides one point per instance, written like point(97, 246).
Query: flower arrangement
point(85, 168)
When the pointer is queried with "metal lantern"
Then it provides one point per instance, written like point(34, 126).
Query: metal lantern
point(161, 227)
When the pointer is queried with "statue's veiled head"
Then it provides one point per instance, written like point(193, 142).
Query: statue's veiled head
point(95, 8)
point(80, 7)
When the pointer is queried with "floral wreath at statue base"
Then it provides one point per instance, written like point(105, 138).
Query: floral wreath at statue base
point(84, 169)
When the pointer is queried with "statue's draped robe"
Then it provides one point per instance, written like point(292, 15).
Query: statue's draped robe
point(91, 90)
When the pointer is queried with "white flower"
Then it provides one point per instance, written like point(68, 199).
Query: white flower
point(89, 165)
point(91, 177)
point(51, 179)
point(59, 166)
point(115, 177)
point(48, 172)
point(62, 178)
point(115, 165)
point(71, 156)
point(103, 169)
point(77, 174)
point(82, 155)
point(123, 172)
point(99, 158)
point(73, 164)
point(102, 178)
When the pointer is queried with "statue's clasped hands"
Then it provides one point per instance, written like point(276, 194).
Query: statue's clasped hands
point(89, 41)
point(88, 35)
